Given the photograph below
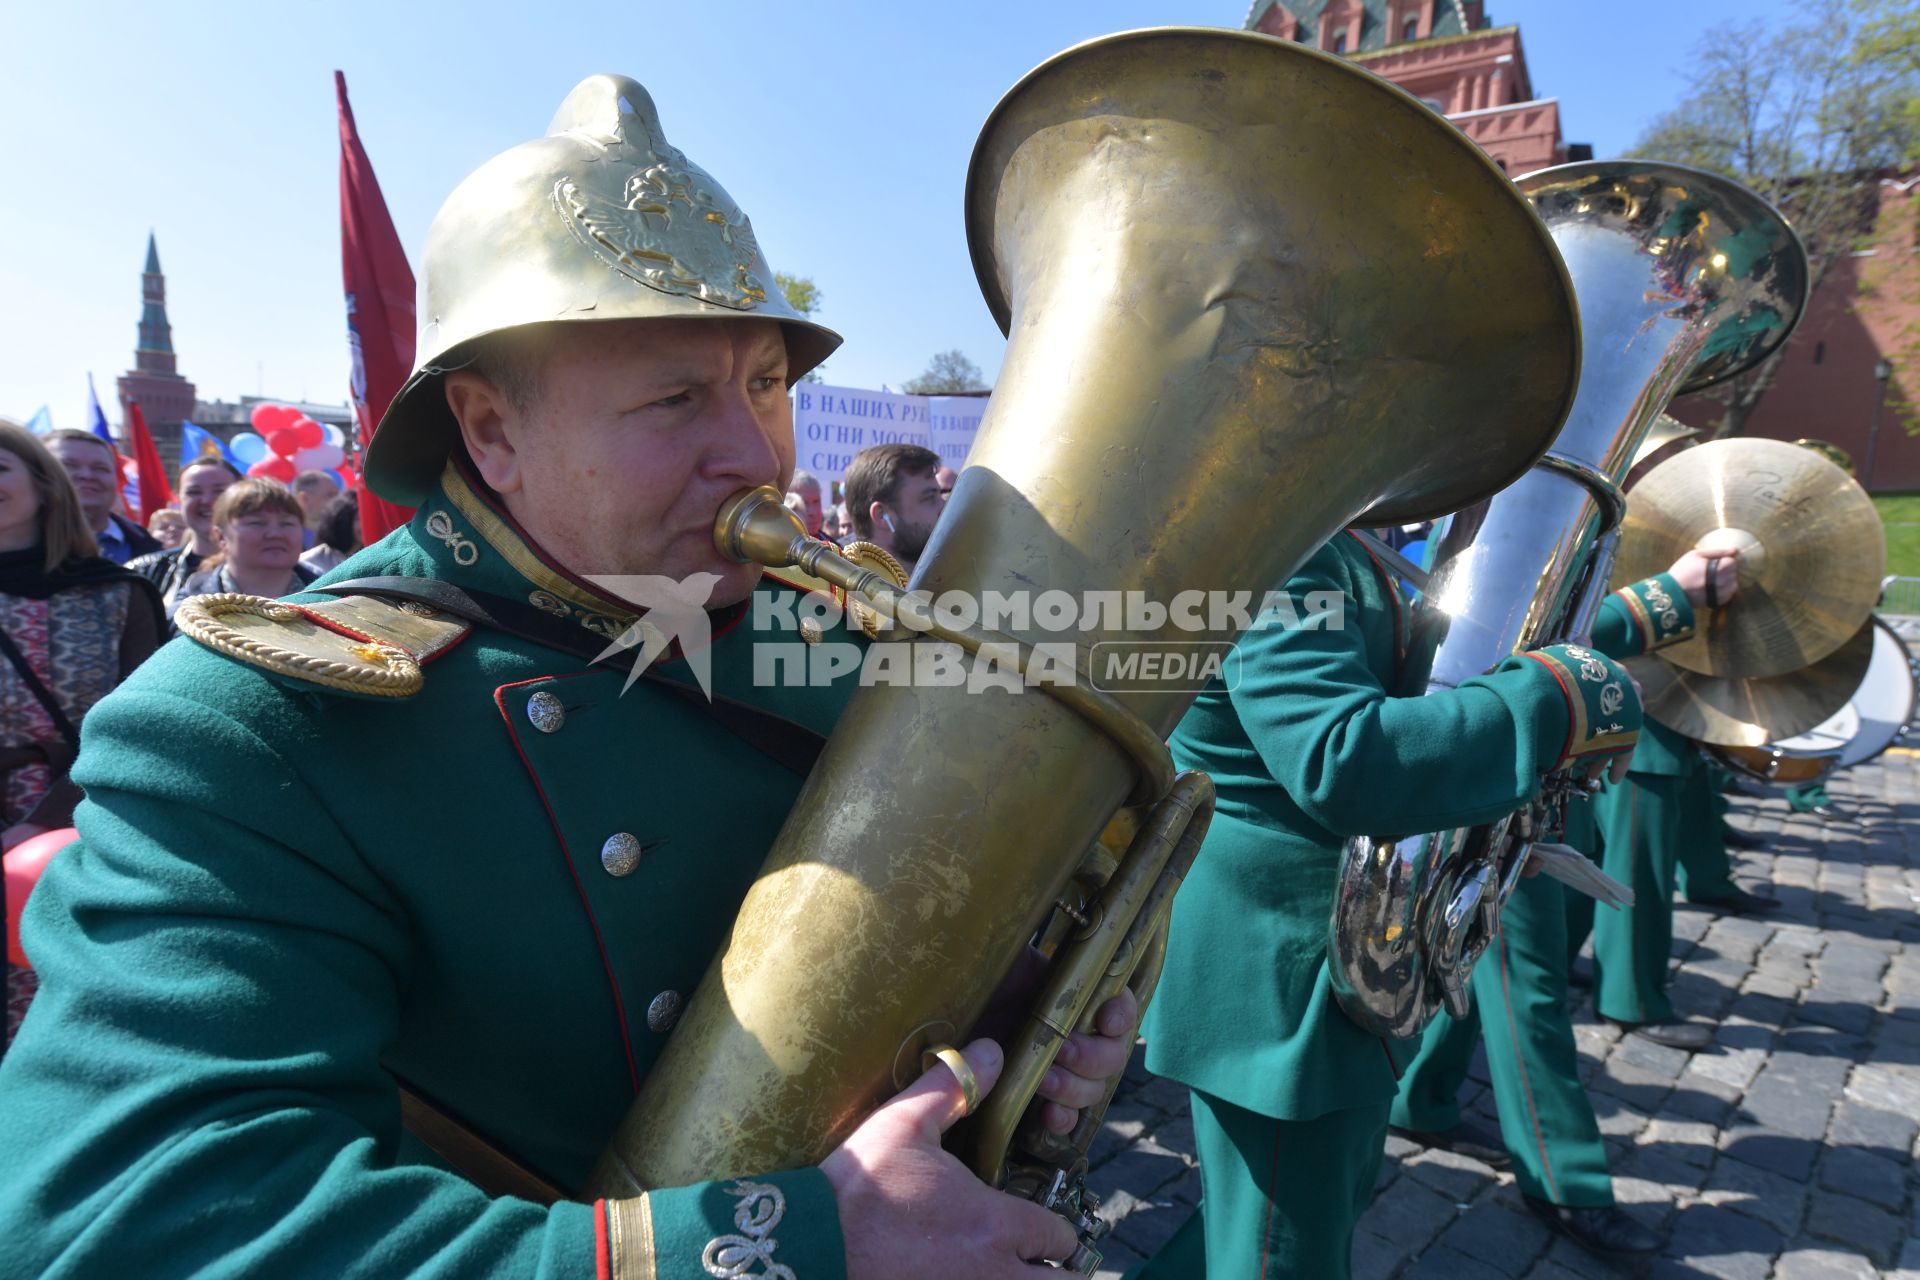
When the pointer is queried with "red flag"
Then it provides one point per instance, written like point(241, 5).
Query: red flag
point(379, 305)
point(154, 491)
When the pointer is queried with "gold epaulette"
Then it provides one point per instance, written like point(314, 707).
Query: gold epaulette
point(356, 644)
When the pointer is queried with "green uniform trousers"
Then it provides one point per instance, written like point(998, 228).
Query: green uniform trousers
point(1520, 1004)
point(1322, 1170)
point(1706, 870)
point(1639, 829)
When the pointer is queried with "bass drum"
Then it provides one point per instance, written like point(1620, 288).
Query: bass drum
point(1886, 701)
point(1876, 718)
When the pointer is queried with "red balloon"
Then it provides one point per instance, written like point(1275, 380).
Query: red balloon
point(311, 436)
point(265, 417)
point(281, 469)
point(24, 862)
point(285, 442)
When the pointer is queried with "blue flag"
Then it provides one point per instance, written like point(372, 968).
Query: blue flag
point(197, 443)
point(41, 422)
point(97, 420)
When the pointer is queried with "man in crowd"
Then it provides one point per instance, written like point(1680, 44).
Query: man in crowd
point(427, 879)
point(313, 490)
point(201, 484)
point(806, 486)
point(894, 499)
point(94, 468)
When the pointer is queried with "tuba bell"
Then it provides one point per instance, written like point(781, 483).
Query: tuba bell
point(1217, 305)
point(1683, 279)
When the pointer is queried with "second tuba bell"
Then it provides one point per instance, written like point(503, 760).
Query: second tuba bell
point(1683, 279)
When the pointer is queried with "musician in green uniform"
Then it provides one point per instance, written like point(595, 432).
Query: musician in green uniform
point(1640, 825)
point(353, 859)
point(1520, 993)
point(1290, 1098)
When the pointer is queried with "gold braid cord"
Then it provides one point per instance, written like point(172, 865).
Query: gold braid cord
point(283, 640)
point(871, 555)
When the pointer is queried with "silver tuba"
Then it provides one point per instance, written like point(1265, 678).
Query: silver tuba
point(1683, 279)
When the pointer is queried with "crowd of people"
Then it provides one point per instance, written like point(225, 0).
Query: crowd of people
point(87, 593)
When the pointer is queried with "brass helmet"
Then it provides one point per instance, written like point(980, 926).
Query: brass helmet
point(602, 219)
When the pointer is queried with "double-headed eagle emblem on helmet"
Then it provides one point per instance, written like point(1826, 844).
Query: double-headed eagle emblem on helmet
point(712, 255)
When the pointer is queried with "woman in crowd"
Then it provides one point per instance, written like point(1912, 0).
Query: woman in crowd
point(260, 530)
point(72, 625)
point(336, 536)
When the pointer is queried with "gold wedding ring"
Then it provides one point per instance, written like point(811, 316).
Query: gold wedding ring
point(956, 1063)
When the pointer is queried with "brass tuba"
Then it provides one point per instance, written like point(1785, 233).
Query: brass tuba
point(1252, 294)
point(1683, 279)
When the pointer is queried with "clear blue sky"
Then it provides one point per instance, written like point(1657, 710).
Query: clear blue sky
point(842, 127)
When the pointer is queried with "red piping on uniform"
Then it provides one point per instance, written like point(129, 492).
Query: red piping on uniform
point(338, 628)
point(1526, 1090)
point(1266, 1230)
point(606, 961)
point(1392, 585)
point(602, 1254)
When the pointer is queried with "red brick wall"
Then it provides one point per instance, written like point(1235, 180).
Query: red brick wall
point(1867, 308)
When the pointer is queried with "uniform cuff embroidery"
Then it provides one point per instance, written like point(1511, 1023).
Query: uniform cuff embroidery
point(749, 1255)
point(1660, 610)
point(1603, 718)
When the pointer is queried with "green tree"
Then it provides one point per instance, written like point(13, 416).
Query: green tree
point(947, 373)
point(1806, 116)
point(803, 295)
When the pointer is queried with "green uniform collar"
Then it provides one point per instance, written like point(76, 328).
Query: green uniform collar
point(465, 529)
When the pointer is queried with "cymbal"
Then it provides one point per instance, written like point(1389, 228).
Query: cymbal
point(1812, 551)
point(1733, 712)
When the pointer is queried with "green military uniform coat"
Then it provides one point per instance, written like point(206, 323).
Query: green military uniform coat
point(1307, 749)
point(499, 889)
point(1520, 990)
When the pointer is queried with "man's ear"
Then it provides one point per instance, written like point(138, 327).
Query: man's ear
point(875, 510)
point(483, 413)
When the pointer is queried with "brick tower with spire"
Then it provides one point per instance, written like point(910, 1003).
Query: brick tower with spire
point(165, 397)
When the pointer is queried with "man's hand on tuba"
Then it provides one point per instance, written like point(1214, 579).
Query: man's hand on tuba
point(1080, 1071)
point(908, 1208)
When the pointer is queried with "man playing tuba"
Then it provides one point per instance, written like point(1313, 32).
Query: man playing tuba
point(1290, 1098)
point(308, 870)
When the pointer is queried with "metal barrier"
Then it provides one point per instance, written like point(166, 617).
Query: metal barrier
point(1899, 596)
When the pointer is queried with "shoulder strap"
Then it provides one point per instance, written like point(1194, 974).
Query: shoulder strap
point(1394, 560)
point(787, 743)
point(40, 691)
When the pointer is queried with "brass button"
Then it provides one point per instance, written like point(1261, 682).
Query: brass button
point(620, 854)
point(664, 1011)
point(546, 711)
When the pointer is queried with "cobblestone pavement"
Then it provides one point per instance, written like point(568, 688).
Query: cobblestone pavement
point(1787, 1151)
